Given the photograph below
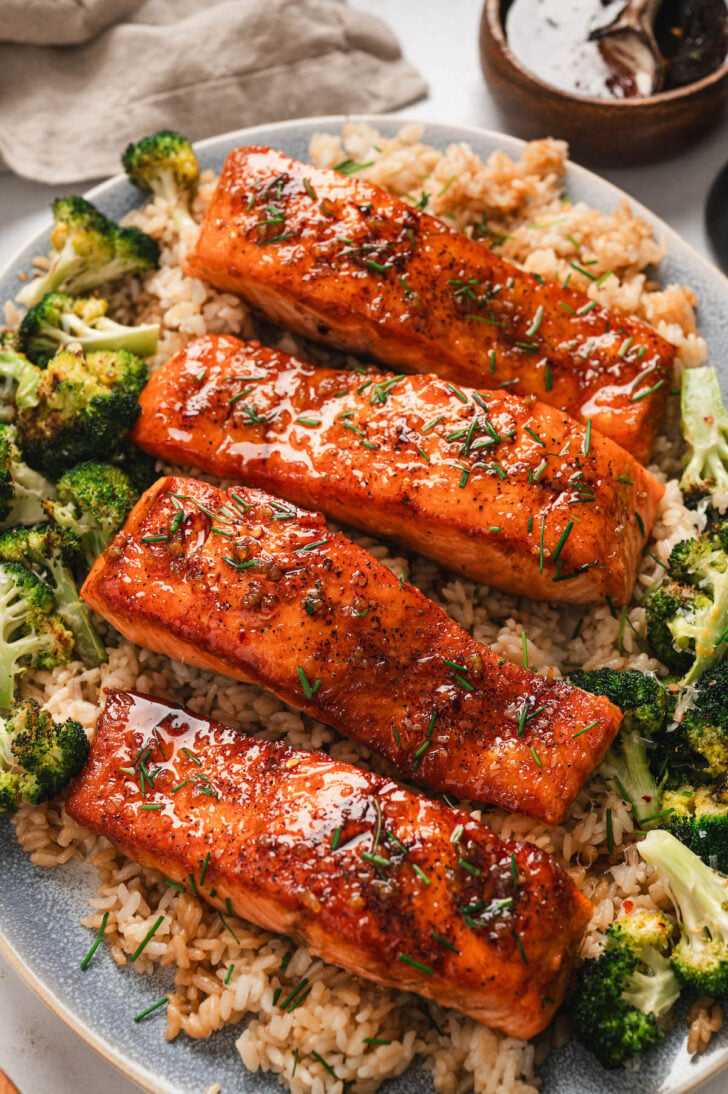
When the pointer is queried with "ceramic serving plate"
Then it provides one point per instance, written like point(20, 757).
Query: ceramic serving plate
point(40, 909)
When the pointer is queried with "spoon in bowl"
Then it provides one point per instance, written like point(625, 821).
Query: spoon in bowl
point(629, 47)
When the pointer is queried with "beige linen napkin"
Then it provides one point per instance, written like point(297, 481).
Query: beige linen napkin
point(81, 78)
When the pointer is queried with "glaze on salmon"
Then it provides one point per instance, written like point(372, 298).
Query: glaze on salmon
point(371, 876)
point(344, 262)
point(241, 583)
point(503, 490)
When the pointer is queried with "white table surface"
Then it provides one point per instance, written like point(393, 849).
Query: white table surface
point(440, 37)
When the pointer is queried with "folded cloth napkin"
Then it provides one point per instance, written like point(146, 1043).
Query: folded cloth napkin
point(81, 78)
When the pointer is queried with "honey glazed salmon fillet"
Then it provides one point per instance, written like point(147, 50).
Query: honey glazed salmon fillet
point(371, 876)
point(241, 583)
point(503, 490)
point(344, 262)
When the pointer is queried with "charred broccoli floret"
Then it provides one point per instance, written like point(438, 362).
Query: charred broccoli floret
point(22, 491)
point(698, 817)
point(705, 428)
point(700, 897)
point(60, 320)
point(85, 406)
point(646, 706)
point(623, 993)
point(166, 165)
point(95, 500)
point(38, 756)
point(90, 250)
point(31, 633)
point(687, 616)
point(51, 552)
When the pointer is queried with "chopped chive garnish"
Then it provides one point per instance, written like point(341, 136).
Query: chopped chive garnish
point(422, 749)
point(310, 190)
point(535, 436)
point(455, 665)
point(520, 947)
point(585, 729)
point(375, 1041)
point(464, 683)
point(205, 864)
point(562, 541)
point(335, 838)
point(295, 1063)
point(368, 444)
point(295, 993)
point(624, 348)
point(407, 289)
point(315, 1054)
point(308, 690)
point(549, 378)
point(178, 518)
point(587, 438)
point(192, 757)
point(457, 392)
point(469, 867)
point(312, 422)
point(160, 805)
point(150, 1010)
point(286, 960)
point(396, 736)
point(415, 964)
point(640, 523)
point(587, 307)
point(174, 885)
point(444, 942)
point(540, 553)
point(491, 363)
point(229, 975)
point(420, 873)
point(155, 539)
point(96, 942)
point(378, 860)
point(457, 834)
point(533, 329)
point(311, 546)
point(624, 478)
point(277, 995)
point(431, 424)
point(228, 928)
point(524, 646)
point(610, 831)
point(566, 307)
point(149, 935)
point(536, 759)
point(581, 270)
point(228, 906)
point(603, 278)
point(648, 391)
point(514, 869)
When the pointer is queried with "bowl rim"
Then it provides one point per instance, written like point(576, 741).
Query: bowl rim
point(492, 22)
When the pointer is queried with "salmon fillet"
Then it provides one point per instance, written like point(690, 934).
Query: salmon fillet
point(344, 262)
point(371, 876)
point(507, 491)
point(238, 582)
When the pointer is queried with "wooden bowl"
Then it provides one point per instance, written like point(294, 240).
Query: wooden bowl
point(603, 132)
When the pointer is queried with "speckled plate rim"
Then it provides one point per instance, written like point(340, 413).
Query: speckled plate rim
point(586, 185)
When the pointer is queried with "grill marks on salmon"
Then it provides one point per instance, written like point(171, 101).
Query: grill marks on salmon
point(342, 261)
point(371, 876)
point(241, 583)
point(507, 491)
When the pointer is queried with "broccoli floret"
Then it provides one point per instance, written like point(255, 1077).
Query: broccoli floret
point(38, 757)
point(646, 706)
point(85, 406)
point(138, 467)
point(31, 633)
point(700, 897)
point(21, 377)
point(60, 320)
point(51, 552)
point(90, 250)
point(698, 817)
point(704, 725)
point(22, 491)
point(687, 616)
point(166, 165)
point(623, 993)
point(705, 428)
point(95, 500)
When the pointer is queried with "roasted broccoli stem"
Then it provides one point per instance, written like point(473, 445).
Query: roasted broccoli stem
point(31, 633)
point(622, 994)
point(705, 428)
point(22, 491)
point(698, 817)
point(90, 250)
point(687, 616)
point(95, 500)
point(51, 552)
point(60, 320)
point(38, 757)
point(85, 406)
point(646, 706)
point(700, 897)
point(166, 165)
